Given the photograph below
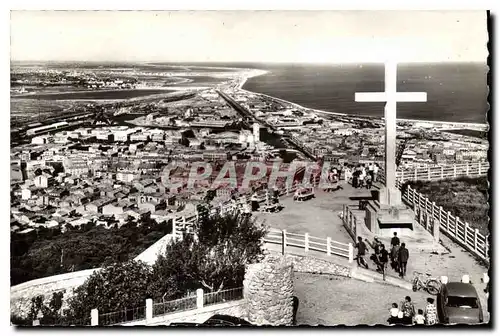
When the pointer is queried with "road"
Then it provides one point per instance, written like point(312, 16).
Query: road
point(247, 114)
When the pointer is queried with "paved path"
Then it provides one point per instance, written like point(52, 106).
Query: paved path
point(318, 216)
point(329, 300)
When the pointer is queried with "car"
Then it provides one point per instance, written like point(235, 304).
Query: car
point(226, 321)
point(458, 302)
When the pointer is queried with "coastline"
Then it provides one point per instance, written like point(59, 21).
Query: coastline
point(482, 126)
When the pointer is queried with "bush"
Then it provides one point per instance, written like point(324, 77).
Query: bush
point(116, 287)
point(49, 252)
point(464, 197)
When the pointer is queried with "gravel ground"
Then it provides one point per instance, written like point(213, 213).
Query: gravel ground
point(330, 300)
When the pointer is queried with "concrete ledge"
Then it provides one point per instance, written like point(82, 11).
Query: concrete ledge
point(367, 275)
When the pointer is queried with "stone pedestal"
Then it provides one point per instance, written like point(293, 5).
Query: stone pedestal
point(268, 290)
point(384, 220)
point(390, 196)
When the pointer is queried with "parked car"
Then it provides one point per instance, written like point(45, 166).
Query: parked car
point(226, 321)
point(459, 302)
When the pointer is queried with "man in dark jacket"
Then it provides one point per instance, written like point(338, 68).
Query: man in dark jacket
point(361, 246)
point(403, 256)
point(395, 240)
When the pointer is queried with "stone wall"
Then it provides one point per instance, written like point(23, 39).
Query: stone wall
point(306, 264)
point(268, 290)
point(21, 295)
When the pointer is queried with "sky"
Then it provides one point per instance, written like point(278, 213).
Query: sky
point(249, 36)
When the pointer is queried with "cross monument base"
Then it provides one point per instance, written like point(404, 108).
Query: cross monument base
point(383, 220)
point(390, 196)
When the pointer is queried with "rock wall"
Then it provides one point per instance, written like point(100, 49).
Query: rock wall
point(306, 264)
point(21, 295)
point(268, 290)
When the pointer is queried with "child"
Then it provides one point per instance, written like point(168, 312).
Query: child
point(430, 312)
point(368, 181)
point(393, 317)
point(408, 310)
point(419, 318)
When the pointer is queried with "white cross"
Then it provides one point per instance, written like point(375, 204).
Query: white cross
point(390, 97)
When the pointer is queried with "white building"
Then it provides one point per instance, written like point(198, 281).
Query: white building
point(256, 132)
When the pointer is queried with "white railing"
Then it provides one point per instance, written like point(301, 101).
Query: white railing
point(458, 230)
point(153, 310)
point(439, 172)
point(309, 243)
point(349, 221)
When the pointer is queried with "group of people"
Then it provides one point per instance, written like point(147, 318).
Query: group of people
point(362, 176)
point(398, 255)
point(405, 313)
point(272, 197)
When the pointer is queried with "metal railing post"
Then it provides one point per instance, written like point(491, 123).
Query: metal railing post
point(476, 232)
point(283, 242)
point(351, 253)
point(306, 242)
point(199, 298)
point(149, 310)
point(328, 246)
point(94, 317)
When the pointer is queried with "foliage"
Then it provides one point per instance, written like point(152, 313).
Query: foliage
point(47, 252)
point(464, 197)
point(213, 258)
point(118, 286)
point(216, 256)
point(51, 314)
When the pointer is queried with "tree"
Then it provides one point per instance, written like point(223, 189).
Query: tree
point(215, 256)
point(118, 286)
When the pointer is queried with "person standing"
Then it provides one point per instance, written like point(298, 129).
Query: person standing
point(394, 258)
point(383, 260)
point(370, 170)
point(408, 310)
point(355, 178)
point(394, 252)
point(255, 202)
point(403, 256)
point(368, 181)
point(375, 172)
point(395, 240)
point(361, 246)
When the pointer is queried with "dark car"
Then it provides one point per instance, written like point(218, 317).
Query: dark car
point(226, 321)
point(458, 302)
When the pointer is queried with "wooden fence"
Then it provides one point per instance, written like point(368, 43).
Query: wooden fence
point(310, 243)
point(439, 172)
point(428, 213)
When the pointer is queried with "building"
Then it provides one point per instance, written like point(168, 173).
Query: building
point(256, 132)
point(43, 181)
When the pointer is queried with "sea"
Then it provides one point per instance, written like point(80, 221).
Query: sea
point(456, 92)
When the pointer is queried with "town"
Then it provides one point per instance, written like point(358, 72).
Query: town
point(143, 172)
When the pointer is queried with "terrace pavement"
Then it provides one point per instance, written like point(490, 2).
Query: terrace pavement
point(320, 218)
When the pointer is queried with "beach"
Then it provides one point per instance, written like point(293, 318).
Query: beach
point(437, 123)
